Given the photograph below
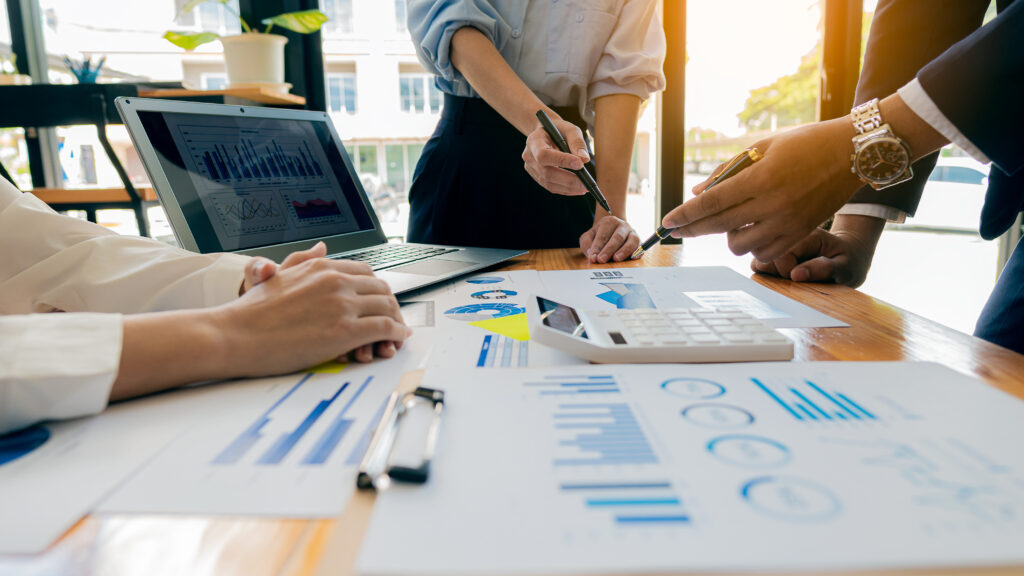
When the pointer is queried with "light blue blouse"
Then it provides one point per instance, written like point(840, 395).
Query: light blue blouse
point(569, 52)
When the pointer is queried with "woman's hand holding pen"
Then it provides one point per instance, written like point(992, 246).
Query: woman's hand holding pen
point(547, 165)
point(611, 238)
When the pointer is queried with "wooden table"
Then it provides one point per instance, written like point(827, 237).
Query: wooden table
point(124, 544)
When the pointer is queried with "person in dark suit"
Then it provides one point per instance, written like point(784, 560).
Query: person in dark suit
point(942, 77)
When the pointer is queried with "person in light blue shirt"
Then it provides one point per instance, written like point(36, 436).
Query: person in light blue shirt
point(490, 176)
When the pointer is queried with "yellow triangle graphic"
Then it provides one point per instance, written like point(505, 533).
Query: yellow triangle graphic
point(515, 326)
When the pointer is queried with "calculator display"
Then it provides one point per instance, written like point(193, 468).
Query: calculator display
point(561, 318)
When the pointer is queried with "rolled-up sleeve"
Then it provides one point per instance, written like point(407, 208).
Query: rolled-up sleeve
point(433, 23)
point(56, 366)
point(634, 57)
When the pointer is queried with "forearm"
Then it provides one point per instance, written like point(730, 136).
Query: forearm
point(614, 135)
point(918, 134)
point(476, 58)
point(168, 349)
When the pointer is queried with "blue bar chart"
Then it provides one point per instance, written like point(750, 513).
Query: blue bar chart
point(807, 401)
point(573, 385)
point(637, 503)
point(499, 351)
point(229, 155)
point(600, 434)
point(286, 442)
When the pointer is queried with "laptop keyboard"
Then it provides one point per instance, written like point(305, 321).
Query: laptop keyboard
point(388, 255)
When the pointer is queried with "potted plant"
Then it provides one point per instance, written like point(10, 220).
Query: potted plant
point(9, 72)
point(253, 57)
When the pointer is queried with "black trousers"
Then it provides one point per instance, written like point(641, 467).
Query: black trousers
point(470, 187)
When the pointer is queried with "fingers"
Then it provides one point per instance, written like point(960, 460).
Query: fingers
point(574, 138)
point(367, 285)
point(381, 328)
point(257, 271)
point(603, 231)
point(820, 269)
point(614, 242)
point(318, 250)
point(378, 305)
point(586, 241)
point(385, 349)
point(628, 247)
point(556, 180)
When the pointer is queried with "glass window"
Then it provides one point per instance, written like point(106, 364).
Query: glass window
point(436, 97)
point(962, 175)
point(367, 155)
point(400, 16)
point(394, 156)
point(413, 153)
point(341, 93)
point(339, 14)
point(418, 94)
point(210, 16)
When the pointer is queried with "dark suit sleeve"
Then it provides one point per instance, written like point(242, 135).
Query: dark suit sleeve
point(905, 36)
point(978, 85)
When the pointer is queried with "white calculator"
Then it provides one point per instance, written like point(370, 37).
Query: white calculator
point(655, 335)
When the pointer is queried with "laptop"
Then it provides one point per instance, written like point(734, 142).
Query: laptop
point(268, 182)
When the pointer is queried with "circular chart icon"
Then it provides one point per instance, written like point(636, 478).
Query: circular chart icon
point(18, 444)
point(486, 280)
point(722, 416)
point(793, 499)
point(749, 451)
point(489, 311)
point(694, 388)
point(493, 294)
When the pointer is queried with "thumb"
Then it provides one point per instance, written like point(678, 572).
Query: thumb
point(820, 269)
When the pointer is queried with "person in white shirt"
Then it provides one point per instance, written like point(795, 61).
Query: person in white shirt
point(140, 316)
point(490, 176)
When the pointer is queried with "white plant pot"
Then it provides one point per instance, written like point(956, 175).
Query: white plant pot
point(254, 58)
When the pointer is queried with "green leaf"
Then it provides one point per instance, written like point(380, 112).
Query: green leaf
point(191, 4)
point(304, 22)
point(190, 41)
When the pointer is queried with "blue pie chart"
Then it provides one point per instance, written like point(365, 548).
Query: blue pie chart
point(486, 280)
point(488, 311)
point(18, 444)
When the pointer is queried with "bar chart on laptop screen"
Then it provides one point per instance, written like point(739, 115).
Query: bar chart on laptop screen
point(229, 155)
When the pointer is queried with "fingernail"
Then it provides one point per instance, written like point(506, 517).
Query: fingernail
point(582, 153)
point(669, 223)
point(408, 332)
point(799, 275)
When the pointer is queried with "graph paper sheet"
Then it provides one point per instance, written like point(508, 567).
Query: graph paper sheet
point(640, 469)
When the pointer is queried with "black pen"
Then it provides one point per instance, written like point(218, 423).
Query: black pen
point(583, 174)
point(731, 168)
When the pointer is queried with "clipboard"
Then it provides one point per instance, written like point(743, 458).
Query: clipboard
point(375, 470)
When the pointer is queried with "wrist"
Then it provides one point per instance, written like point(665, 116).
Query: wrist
point(863, 230)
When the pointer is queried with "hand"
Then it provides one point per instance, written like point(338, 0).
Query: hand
point(843, 256)
point(260, 272)
point(610, 238)
point(546, 164)
point(769, 207)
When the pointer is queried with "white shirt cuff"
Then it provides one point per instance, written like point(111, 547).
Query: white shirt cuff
point(917, 99)
point(876, 210)
point(56, 366)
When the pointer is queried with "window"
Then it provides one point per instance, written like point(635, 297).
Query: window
point(961, 175)
point(418, 94)
point(367, 159)
point(209, 17)
point(214, 81)
point(339, 14)
point(341, 93)
point(400, 16)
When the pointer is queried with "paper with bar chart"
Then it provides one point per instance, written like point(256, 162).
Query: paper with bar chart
point(284, 446)
point(664, 469)
point(261, 185)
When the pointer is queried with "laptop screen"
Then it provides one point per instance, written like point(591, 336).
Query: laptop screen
point(246, 182)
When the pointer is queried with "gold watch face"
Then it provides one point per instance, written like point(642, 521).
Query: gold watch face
point(882, 160)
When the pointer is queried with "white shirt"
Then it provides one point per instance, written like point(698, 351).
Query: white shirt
point(62, 365)
point(569, 52)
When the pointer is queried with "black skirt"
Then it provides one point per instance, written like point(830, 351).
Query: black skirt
point(470, 187)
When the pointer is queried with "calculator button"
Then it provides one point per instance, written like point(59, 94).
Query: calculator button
point(644, 340)
point(749, 321)
point(697, 330)
point(658, 324)
point(687, 323)
point(673, 339)
point(664, 330)
point(773, 338)
point(737, 337)
point(704, 338)
point(727, 330)
point(717, 322)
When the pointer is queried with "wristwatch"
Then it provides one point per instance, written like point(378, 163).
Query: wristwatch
point(880, 158)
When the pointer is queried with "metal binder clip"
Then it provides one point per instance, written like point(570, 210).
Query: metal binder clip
point(375, 471)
